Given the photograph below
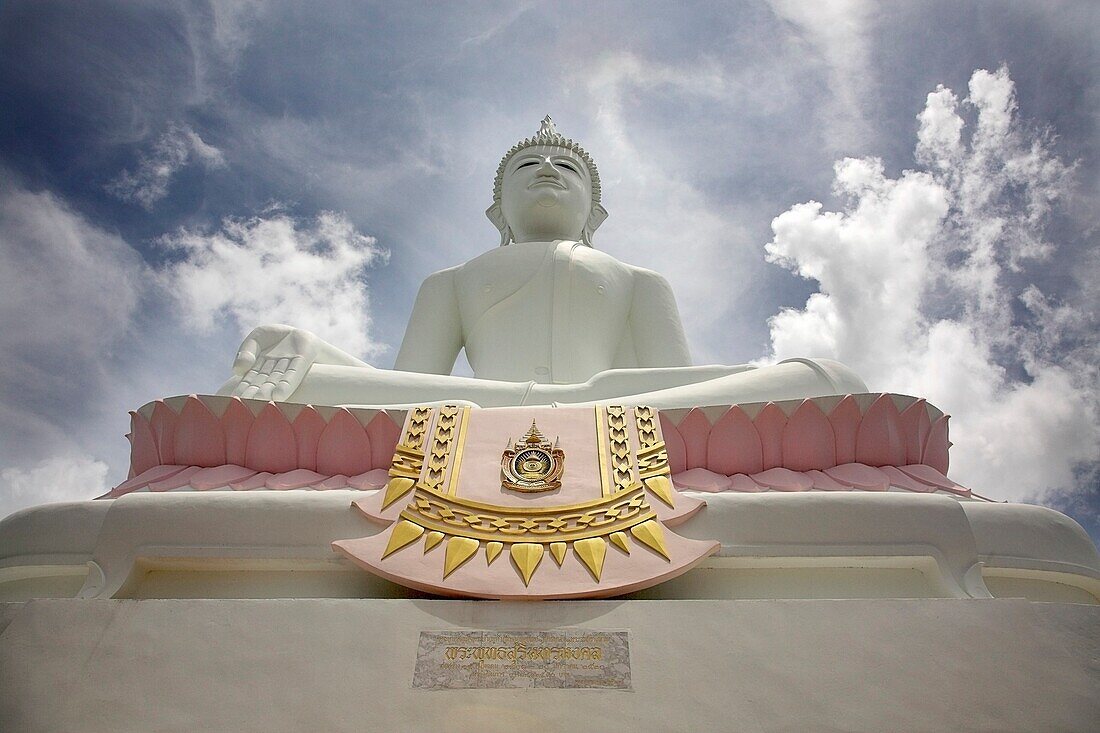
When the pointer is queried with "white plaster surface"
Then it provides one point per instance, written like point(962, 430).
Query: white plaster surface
point(346, 665)
point(273, 544)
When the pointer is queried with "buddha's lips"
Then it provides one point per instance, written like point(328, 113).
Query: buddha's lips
point(551, 181)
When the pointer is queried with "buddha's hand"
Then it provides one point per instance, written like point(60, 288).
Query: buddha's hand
point(272, 361)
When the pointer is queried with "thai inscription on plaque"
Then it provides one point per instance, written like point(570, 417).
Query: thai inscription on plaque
point(564, 658)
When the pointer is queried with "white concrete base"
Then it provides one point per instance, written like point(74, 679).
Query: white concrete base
point(277, 544)
point(346, 665)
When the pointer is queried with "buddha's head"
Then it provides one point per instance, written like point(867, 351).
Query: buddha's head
point(546, 188)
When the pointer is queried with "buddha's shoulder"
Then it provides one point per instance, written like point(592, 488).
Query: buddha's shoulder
point(520, 258)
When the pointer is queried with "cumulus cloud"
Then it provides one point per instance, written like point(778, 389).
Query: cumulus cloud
point(278, 269)
point(178, 146)
point(59, 478)
point(925, 288)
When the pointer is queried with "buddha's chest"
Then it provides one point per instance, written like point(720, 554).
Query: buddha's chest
point(550, 313)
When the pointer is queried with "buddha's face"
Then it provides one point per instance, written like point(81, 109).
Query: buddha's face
point(546, 194)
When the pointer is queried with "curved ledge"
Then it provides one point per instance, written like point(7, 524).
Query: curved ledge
point(257, 535)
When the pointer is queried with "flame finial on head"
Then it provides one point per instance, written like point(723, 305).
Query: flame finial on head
point(547, 135)
point(547, 127)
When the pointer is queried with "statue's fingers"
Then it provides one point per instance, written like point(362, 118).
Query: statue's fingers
point(250, 392)
point(281, 366)
point(265, 391)
point(295, 370)
point(246, 356)
point(252, 376)
point(282, 390)
point(268, 366)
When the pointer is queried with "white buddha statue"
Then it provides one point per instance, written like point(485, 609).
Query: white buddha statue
point(544, 319)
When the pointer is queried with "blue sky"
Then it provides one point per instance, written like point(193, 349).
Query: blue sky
point(149, 151)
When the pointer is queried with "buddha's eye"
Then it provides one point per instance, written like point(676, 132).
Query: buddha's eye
point(570, 166)
point(524, 165)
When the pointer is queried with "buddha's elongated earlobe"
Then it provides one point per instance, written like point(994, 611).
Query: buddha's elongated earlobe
point(496, 215)
point(597, 217)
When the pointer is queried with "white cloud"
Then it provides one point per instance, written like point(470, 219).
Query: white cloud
point(921, 282)
point(173, 150)
point(59, 478)
point(278, 270)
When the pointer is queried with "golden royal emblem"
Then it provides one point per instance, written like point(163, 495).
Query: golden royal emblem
point(533, 464)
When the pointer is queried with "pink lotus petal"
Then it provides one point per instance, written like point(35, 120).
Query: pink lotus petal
point(808, 440)
point(879, 440)
point(695, 430)
point(857, 475)
point(219, 476)
point(236, 423)
point(299, 478)
point(199, 440)
point(271, 443)
point(783, 479)
point(308, 427)
point(176, 481)
point(700, 479)
point(143, 446)
point(935, 452)
point(339, 481)
point(932, 477)
point(674, 443)
point(143, 479)
point(253, 482)
point(370, 480)
point(163, 425)
point(845, 419)
point(742, 483)
point(915, 427)
point(734, 445)
point(769, 424)
point(383, 434)
point(905, 481)
point(823, 483)
point(344, 446)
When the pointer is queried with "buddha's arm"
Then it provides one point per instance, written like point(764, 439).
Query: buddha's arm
point(273, 361)
point(434, 334)
point(655, 325)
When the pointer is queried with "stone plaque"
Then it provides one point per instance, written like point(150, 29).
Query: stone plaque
point(564, 658)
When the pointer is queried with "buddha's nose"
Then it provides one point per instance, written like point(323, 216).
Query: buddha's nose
point(546, 168)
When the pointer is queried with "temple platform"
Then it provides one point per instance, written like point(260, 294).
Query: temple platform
point(717, 665)
point(852, 611)
point(837, 545)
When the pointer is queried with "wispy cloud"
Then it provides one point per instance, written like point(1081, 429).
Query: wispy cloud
point(836, 33)
point(70, 294)
point(922, 280)
point(69, 289)
point(668, 212)
point(178, 146)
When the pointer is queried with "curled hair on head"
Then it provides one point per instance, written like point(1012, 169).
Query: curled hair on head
point(547, 136)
